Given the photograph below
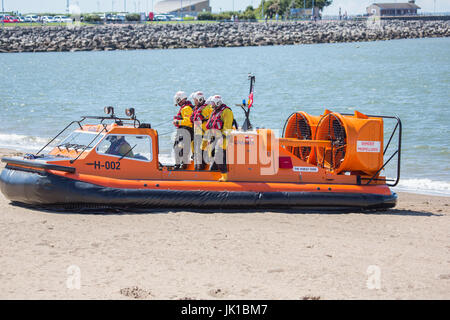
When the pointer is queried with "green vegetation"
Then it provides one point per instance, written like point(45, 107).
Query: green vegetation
point(92, 18)
point(283, 7)
point(38, 24)
point(133, 17)
point(271, 8)
point(248, 14)
point(47, 14)
point(206, 16)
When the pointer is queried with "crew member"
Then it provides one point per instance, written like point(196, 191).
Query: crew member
point(199, 118)
point(221, 120)
point(119, 147)
point(184, 136)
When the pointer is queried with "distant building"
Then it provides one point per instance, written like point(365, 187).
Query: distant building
point(393, 9)
point(182, 7)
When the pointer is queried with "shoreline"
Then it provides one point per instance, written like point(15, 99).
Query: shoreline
point(189, 255)
point(177, 36)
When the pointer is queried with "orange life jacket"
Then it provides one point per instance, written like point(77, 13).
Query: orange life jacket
point(215, 120)
point(197, 114)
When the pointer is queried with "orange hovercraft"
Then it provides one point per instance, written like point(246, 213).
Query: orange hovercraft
point(333, 160)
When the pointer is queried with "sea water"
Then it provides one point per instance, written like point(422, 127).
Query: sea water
point(41, 92)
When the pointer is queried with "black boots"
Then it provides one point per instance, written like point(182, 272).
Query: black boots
point(199, 167)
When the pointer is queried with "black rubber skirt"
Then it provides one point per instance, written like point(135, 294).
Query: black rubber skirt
point(45, 189)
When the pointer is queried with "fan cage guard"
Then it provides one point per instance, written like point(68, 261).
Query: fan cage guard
point(331, 128)
point(301, 130)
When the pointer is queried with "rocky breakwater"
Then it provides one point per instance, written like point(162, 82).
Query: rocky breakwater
point(167, 36)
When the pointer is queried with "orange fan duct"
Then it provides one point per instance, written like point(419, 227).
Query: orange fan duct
point(356, 143)
point(302, 126)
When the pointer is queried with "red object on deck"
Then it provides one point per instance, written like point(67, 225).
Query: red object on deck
point(285, 163)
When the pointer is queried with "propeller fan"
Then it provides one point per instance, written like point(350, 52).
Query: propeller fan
point(299, 128)
point(331, 128)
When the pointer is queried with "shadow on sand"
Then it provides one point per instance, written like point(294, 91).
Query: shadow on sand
point(105, 210)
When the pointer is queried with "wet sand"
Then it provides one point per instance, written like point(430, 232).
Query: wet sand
point(403, 253)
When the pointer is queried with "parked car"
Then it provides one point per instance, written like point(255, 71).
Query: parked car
point(173, 18)
point(9, 19)
point(160, 17)
point(47, 19)
point(33, 18)
point(120, 18)
point(23, 19)
point(62, 19)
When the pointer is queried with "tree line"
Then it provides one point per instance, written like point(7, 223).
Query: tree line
point(271, 8)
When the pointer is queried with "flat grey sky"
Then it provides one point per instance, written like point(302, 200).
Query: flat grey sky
point(351, 6)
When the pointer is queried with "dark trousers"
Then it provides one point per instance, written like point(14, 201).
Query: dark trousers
point(220, 162)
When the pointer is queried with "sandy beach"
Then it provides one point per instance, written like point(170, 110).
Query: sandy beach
point(403, 253)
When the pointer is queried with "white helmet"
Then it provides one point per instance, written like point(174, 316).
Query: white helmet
point(179, 96)
point(199, 96)
point(216, 100)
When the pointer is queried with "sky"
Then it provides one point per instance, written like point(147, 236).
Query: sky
point(351, 6)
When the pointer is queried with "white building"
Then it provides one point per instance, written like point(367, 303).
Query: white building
point(393, 9)
point(182, 7)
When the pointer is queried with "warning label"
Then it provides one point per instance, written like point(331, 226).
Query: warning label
point(306, 169)
point(368, 146)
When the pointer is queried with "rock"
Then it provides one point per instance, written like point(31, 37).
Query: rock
point(161, 36)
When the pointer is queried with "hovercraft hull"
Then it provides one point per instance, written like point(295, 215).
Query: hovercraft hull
point(43, 188)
